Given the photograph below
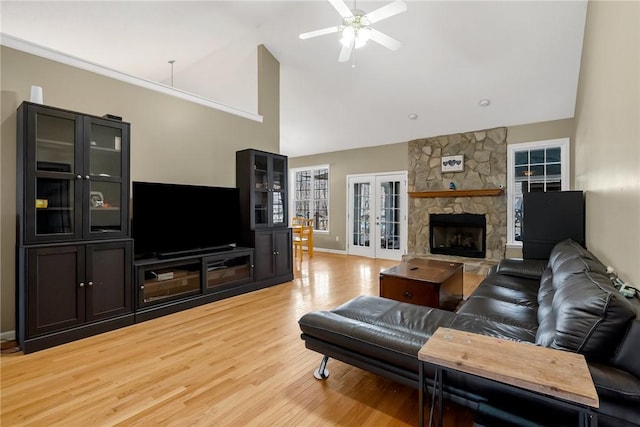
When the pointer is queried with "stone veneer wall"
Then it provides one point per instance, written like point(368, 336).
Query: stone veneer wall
point(485, 166)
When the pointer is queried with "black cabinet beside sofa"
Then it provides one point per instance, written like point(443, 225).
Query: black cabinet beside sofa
point(566, 302)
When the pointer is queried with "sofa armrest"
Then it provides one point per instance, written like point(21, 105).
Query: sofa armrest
point(529, 268)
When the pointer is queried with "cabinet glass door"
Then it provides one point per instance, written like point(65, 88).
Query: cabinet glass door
point(105, 165)
point(279, 173)
point(261, 209)
point(54, 189)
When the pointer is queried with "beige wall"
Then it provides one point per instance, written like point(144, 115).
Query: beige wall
point(607, 134)
point(385, 158)
point(172, 140)
point(391, 158)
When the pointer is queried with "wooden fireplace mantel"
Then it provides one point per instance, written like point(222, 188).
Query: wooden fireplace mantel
point(457, 193)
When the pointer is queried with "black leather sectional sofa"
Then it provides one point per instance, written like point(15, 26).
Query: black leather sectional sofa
point(568, 303)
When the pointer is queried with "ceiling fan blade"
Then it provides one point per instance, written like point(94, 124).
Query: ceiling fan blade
point(342, 8)
point(345, 53)
point(387, 11)
point(384, 40)
point(317, 33)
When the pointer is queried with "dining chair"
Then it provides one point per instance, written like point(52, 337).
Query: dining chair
point(303, 236)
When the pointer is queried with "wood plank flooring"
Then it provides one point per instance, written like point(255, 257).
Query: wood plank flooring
point(236, 362)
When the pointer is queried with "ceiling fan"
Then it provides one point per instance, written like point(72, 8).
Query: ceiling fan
point(356, 27)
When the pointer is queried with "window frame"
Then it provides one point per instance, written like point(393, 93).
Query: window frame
point(312, 209)
point(565, 169)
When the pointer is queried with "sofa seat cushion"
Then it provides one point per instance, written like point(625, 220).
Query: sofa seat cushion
point(523, 298)
point(527, 287)
point(381, 328)
point(618, 390)
point(504, 312)
point(493, 328)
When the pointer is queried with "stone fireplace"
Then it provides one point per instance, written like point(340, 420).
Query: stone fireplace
point(485, 167)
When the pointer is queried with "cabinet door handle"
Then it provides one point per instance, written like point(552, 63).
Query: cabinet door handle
point(90, 283)
point(407, 294)
point(86, 177)
point(82, 284)
point(78, 176)
point(141, 286)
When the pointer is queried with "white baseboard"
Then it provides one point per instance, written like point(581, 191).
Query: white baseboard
point(330, 251)
point(8, 336)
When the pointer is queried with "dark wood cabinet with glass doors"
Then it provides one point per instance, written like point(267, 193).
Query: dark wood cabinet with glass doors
point(74, 175)
point(262, 180)
point(72, 187)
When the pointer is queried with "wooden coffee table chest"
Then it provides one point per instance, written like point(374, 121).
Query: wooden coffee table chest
point(428, 282)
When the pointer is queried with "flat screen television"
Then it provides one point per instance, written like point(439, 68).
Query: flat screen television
point(172, 219)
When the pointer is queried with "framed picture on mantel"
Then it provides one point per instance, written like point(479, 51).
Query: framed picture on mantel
point(453, 163)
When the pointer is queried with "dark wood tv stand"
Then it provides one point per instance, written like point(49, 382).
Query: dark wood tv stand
point(169, 284)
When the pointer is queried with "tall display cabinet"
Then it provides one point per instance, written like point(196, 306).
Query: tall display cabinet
point(74, 275)
point(262, 180)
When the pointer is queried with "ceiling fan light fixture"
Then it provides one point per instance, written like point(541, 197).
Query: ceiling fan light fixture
point(362, 37)
point(348, 35)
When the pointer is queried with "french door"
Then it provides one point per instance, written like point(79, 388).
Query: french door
point(377, 215)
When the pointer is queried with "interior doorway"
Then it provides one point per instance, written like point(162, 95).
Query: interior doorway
point(377, 215)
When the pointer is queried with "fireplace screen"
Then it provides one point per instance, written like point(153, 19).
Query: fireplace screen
point(458, 234)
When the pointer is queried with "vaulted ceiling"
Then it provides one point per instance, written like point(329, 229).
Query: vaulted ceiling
point(522, 56)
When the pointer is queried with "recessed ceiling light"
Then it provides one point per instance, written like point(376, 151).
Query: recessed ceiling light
point(413, 116)
point(484, 102)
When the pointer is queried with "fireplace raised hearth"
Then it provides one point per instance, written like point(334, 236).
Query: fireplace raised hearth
point(458, 234)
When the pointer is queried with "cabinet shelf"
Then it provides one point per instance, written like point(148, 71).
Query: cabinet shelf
point(54, 143)
point(106, 149)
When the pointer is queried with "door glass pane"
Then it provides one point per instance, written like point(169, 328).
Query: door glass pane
point(104, 205)
point(279, 171)
point(227, 271)
point(261, 206)
point(260, 172)
point(55, 139)
point(106, 146)
point(54, 206)
point(361, 211)
point(278, 207)
point(261, 196)
point(389, 215)
point(171, 282)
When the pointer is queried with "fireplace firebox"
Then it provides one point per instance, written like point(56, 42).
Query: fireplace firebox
point(458, 234)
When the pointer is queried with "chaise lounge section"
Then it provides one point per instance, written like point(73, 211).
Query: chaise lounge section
point(567, 302)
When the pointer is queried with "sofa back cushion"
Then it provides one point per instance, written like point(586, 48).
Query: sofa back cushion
point(580, 310)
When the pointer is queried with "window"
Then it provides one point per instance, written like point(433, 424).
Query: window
point(311, 195)
point(533, 166)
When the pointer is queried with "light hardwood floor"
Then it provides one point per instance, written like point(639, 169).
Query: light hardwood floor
point(234, 362)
